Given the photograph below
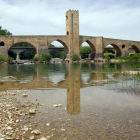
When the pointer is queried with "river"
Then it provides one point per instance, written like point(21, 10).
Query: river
point(97, 101)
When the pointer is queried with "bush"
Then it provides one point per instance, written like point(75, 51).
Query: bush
point(1, 58)
point(46, 57)
point(55, 54)
point(135, 56)
point(63, 54)
point(109, 56)
point(75, 57)
point(36, 58)
point(10, 59)
point(132, 56)
point(85, 51)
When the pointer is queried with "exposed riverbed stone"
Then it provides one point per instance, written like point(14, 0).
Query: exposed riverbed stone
point(36, 132)
point(24, 95)
point(43, 138)
point(131, 72)
point(32, 111)
point(57, 105)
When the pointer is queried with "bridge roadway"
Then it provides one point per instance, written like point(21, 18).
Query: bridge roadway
point(32, 48)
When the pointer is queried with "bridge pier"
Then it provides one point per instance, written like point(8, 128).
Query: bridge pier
point(4, 51)
point(41, 49)
point(125, 51)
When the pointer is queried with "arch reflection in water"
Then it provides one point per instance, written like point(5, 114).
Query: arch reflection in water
point(73, 90)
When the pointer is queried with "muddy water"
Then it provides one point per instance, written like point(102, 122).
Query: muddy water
point(98, 101)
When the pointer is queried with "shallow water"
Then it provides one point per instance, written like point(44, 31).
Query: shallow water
point(98, 101)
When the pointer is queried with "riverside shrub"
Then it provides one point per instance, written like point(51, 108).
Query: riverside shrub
point(85, 51)
point(1, 58)
point(46, 57)
point(109, 56)
point(36, 58)
point(75, 57)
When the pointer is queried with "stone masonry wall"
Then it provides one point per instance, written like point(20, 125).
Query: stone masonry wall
point(4, 51)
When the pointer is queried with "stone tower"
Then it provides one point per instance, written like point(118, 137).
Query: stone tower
point(72, 31)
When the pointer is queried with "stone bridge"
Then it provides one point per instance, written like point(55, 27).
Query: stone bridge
point(71, 41)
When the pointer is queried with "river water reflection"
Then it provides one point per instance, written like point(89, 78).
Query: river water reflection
point(98, 101)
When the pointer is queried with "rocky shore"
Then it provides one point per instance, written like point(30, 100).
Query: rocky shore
point(14, 118)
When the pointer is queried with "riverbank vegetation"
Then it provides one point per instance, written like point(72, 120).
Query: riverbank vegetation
point(1, 58)
point(8, 60)
point(58, 54)
point(45, 57)
point(108, 55)
point(75, 57)
point(132, 56)
point(85, 51)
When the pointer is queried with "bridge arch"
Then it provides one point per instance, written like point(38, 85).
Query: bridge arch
point(60, 51)
point(136, 49)
point(61, 42)
point(18, 42)
point(117, 49)
point(93, 49)
point(22, 50)
point(2, 43)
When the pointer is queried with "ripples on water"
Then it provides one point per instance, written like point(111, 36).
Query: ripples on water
point(98, 101)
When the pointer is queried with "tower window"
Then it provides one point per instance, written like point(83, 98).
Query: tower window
point(67, 33)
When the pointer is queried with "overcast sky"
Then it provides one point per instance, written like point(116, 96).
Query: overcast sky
point(118, 19)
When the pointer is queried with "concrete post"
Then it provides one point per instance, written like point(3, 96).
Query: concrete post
point(18, 56)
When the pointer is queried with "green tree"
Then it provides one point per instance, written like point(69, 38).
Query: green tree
point(36, 59)
point(1, 58)
point(63, 54)
point(22, 44)
point(12, 54)
point(85, 51)
point(4, 32)
point(46, 57)
point(55, 54)
point(52, 46)
point(29, 54)
point(75, 57)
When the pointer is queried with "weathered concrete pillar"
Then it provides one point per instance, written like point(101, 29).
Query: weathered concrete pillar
point(4, 51)
point(18, 56)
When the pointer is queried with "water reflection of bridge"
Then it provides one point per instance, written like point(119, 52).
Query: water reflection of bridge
point(72, 77)
point(45, 77)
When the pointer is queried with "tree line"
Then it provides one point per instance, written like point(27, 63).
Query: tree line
point(4, 31)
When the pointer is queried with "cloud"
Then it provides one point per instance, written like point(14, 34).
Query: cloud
point(107, 18)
